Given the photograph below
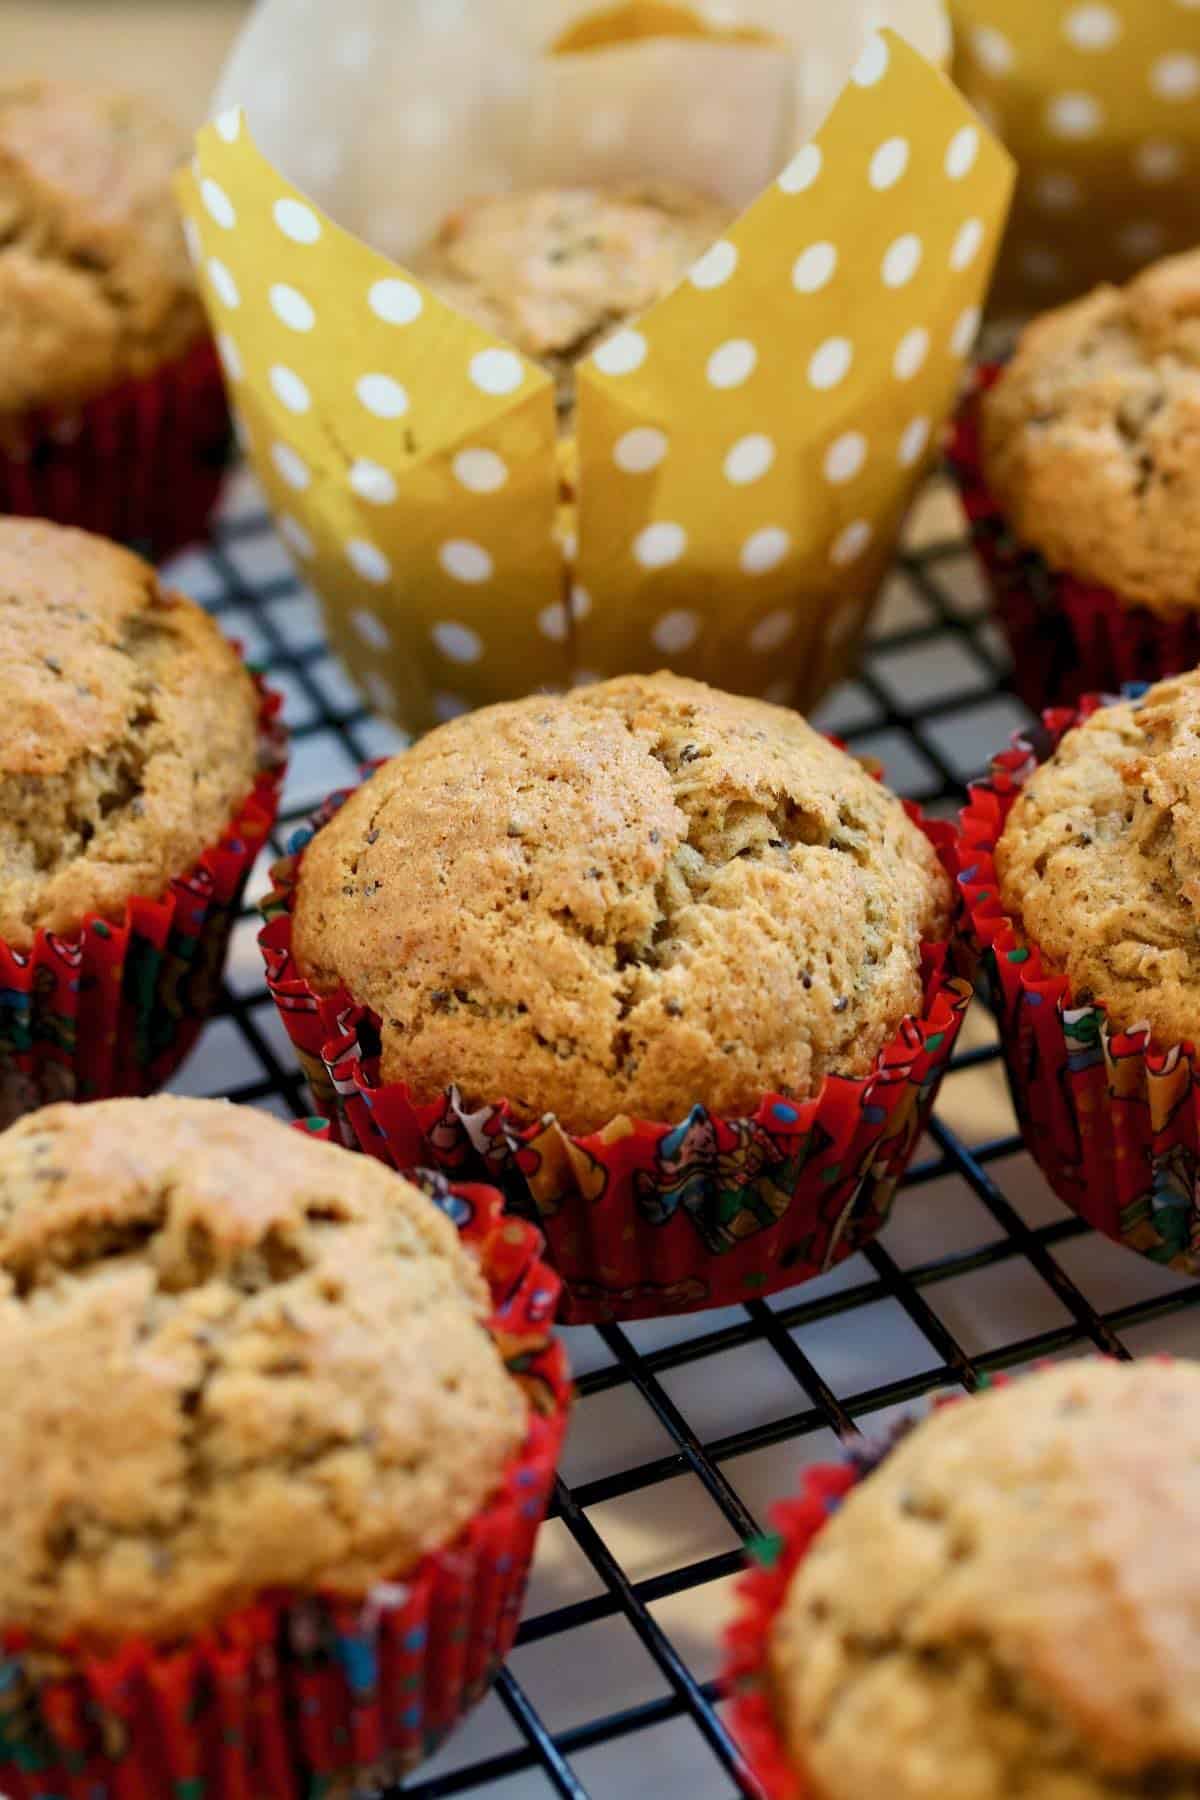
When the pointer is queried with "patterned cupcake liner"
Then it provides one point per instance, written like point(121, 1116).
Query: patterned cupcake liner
point(142, 463)
point(1068, 637)
point(761, 1592)
point(642, 1219)
point(1112, 1120)
point(762, 1589)
point(114, 1008)
point(307, 1697)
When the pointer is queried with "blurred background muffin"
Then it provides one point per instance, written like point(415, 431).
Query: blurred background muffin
point(111, 406)
point(1081, 476)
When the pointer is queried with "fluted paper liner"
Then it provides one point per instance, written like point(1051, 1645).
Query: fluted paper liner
point(746, 450)
point(1111, 1118)
point(299, 1696)
point(1098, 103)
point(142, 463)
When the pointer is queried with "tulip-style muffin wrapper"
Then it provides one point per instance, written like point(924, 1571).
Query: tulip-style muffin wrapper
point(141, 463)
point(1112, 1120)
point(746, 449)
point(1068, 637)
point(642, 1219)
point(114, 1008)
point(301, 1697)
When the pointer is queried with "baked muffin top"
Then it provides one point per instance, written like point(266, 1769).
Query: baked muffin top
point(1010, 1605)
point(95, 285)
point(128, 730)
point(1099, 860)
point(636, 897)
point(232, 1357)
point(1090, 437)
point(556, 269)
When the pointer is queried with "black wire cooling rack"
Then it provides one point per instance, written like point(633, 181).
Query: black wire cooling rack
point(686, 1429)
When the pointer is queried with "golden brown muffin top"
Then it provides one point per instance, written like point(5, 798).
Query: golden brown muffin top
point(1010, 1605)
point(639, 896)
point(1091, 437)
point(128, 730)
point(95, 285)
point(1099, 860)
point(231, 1358)
point(555, 270)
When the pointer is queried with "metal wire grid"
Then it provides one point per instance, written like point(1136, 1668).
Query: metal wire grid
point(996, 1276)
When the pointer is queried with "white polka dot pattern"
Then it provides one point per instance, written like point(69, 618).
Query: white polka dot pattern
point(382, 395)
point(395, 302)
point(743, 451)
point(372, 482)
point(1098, 100)
point(640, 450)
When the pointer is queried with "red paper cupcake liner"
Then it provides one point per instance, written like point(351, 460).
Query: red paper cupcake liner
point(141, 463)
point(642, 1219)
point(761, 1591)
point(1111, 1119)
point(114, 1008)
point(298, 1697)
point(1068, 637)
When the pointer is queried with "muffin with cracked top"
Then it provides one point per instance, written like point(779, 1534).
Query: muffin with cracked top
point(139, 773)
point(1081, 475)
point(1008, 1604)
point(643, 901)
point(112, 412)
point(252, 1391)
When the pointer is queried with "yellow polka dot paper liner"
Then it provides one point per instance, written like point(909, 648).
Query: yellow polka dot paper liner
point(1099, 100)
point(746, 448)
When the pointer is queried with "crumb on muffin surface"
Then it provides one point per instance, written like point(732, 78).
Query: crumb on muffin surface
point(1091, 437)
point(95, 284)
point(1010, 1604)
point(232, 1358)
point(129, 730)
point(1099, 860)
point(628, 900)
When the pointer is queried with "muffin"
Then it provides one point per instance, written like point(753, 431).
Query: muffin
point(139, 775)
point(562, 918)
point(1082, 480)
point(555, 270)
point(250, 1385)
point(1005, 1605)
point(112, 413)
point(1081, 874)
